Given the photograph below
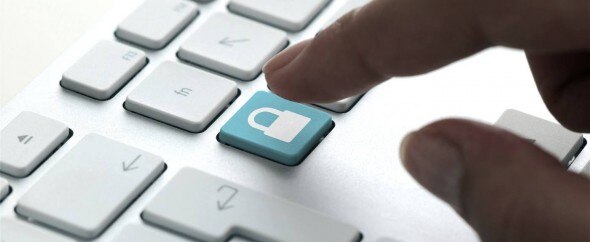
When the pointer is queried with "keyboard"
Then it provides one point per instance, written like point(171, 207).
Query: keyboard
point(157, 125)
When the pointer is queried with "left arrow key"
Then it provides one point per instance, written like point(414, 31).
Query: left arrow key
point(27, 141)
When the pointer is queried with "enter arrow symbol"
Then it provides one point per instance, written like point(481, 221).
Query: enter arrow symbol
point(221, 206)
point(128, 167)
point(229, 42)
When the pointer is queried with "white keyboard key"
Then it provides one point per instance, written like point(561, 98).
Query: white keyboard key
point(233, 45)
point(208, 208)
point(90, 186)
point(141, 233)
point(341, 106)
point(552, 137)
point(156, 22)
point(27, 141)
point(13, 230)
point(182, 96)
point(4, 189)
point(102, 71)
point(292, 15)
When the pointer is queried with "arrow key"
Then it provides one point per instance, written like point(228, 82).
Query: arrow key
point(28, 140)
point(92, 184)
point(233, 45)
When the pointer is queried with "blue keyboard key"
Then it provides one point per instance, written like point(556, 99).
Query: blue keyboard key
point(275, 128)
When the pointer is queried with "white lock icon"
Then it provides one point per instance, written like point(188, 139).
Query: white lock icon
point(285, 128)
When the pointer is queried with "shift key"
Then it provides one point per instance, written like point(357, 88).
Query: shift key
point(90, 186)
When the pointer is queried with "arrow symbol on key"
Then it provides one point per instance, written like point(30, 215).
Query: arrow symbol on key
point(128, 167)
point(24, 139)
point(225, 205)
point(229, 42)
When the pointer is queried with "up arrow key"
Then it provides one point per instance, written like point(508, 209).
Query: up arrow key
point(128, 167)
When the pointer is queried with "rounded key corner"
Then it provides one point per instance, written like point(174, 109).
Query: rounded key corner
point(287, 43)
point(186, 61)
point(143, 48)
point(99, 98)
point(238, 94)
point(17, 212)
point(577, 152)
point(142, 216)
point(332, 126)
point(7, 194)
point(219, 140)
point(345, 111)
point(253, 78)
point(164, 166)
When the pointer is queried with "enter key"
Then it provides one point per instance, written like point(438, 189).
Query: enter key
point(208, 208)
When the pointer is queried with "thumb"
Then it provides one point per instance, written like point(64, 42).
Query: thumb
point(506, 188)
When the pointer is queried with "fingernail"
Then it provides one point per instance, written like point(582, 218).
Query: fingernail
point(435, 162)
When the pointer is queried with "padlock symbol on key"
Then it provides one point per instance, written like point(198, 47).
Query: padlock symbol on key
point(285, 128)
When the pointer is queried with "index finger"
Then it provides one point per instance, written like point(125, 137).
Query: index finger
point(407, 37)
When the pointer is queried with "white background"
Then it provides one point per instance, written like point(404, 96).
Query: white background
point(35, 32)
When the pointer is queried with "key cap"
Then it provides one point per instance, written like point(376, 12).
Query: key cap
point(14, 230)
point(102, 71)
point(552, 137)
point(27, 141)
point(4, 189)
point(90, 186)
point(341, 106)
point(233, 46)
point(156, 22)
point(142, 233)
point(586, 170)
point(208, 208)
point(182, 96)
point(275, 128)
point(289, 15)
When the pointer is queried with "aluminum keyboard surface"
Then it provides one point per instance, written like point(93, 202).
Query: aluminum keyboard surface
point(354, 175)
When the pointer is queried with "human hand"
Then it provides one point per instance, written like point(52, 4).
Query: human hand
point(506, 188)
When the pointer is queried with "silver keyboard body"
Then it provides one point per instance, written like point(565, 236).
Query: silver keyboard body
point(354, 175)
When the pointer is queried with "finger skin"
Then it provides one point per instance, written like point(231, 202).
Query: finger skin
point(508, 189)
point(367, 46)
point(563, 79)
point(389, 38)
